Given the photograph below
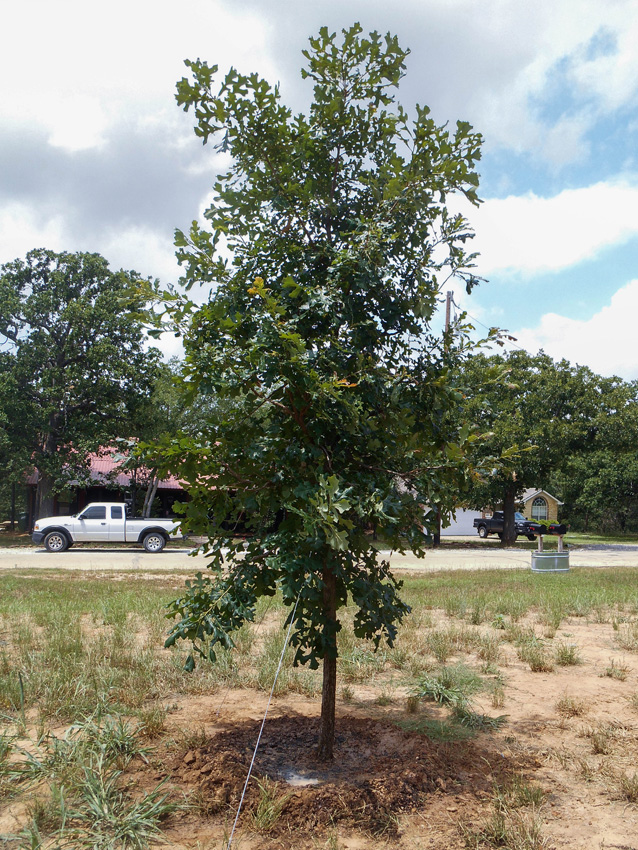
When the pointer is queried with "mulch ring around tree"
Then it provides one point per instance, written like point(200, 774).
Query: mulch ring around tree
point(379, 772)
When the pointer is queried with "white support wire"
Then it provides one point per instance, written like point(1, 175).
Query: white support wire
point(263, 722)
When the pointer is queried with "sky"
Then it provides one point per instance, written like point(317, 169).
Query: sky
point(96, 156)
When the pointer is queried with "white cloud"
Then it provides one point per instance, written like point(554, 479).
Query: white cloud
point(529, 234)
point(606, 342)
point(21, 230)
point(138, 248)
point(611, 73)
point(89, 67)
point(528, 56)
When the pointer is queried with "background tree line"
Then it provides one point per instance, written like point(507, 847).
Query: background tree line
point(575, 432)
point(76, 374)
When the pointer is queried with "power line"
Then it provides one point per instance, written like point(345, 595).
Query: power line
point(507, 339)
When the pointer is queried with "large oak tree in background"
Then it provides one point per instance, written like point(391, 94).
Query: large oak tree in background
point(598, 482)
point(333, 392)
point(74, 373)
point(555, 415)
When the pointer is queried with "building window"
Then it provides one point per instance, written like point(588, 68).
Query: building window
point(539, 509)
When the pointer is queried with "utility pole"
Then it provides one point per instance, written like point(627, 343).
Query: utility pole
point(448, 305)
point(448, 308)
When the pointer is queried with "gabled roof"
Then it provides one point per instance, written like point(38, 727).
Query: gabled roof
point(531, 493)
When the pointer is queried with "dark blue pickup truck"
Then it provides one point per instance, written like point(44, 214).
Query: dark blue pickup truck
point(494, 525)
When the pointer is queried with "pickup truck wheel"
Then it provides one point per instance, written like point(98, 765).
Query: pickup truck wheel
point(56, 541)
point(482, 531)
point(531, 537)
point(154, 542)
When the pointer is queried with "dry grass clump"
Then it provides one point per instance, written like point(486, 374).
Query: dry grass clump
point(515, 822)
point(628, 787)
point(601, 740)
point(568, 706)
point(627, 637)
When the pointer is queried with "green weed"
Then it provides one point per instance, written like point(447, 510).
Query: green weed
point(437, 730)
point(567, 654)
point(450, 686)
point(103, 816)
point(270, 805)
point(537, 656)
point(616, 670)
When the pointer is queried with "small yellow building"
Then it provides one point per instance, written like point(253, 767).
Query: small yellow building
point(539, 504)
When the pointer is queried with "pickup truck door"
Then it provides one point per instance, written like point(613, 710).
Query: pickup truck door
point(91, 525)
point(117, 524)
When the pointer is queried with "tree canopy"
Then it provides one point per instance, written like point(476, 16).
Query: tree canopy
point(333, 390)
point(74, 372)
point(598, 480)
point(554, 414)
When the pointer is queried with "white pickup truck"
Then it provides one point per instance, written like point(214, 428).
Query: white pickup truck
point(103, 522)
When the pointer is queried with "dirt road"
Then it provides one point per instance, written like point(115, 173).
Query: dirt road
point(171, 560)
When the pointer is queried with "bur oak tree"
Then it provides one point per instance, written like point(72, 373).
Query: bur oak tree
point(74, 372)
point(334, 392)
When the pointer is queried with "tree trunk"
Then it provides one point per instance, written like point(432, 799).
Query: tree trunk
point(151, 490)
point(329, 690)
point(436, 539)
point(44, 496)
point(509, 520)
point(44, 491)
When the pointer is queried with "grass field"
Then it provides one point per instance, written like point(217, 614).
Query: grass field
point(89, 699)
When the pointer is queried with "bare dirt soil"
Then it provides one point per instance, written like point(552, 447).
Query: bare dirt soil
point(572, 734)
